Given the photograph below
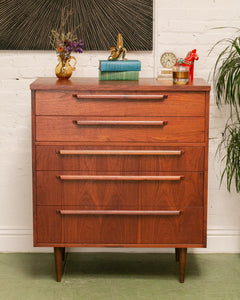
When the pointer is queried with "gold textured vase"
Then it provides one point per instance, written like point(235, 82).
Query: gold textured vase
point(64, 70)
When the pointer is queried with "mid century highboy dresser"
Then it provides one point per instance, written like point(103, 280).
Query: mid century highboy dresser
point(119, 164)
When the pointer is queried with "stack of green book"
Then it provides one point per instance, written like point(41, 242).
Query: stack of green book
point(119, 69)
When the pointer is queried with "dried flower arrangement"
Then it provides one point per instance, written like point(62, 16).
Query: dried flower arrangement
point(65, 43)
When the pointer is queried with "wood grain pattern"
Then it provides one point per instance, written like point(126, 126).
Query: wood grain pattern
point(182, 228)
point(177, 130)
point(86, 194)
point(48, 225)
point(120, 194)
point(108, 104)
point(187, 228)
point(91, 85)
point(84, 229)
point(120, 159)
point(100, 229)
point(34, 166)
point(207, 99)
point(187, 192)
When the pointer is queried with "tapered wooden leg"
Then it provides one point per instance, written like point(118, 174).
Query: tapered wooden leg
point(182, 263)
point(63, 253)
point(177, 254)
point(58, 255)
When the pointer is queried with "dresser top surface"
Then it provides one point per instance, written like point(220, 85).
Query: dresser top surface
point(85, 83)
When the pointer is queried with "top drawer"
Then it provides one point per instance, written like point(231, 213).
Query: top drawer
point(120, 103)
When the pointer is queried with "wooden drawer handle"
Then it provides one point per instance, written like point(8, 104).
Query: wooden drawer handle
point(119, 97)
point(121, 152)
point(115, 178)
point(122, 212)
point(119, 123)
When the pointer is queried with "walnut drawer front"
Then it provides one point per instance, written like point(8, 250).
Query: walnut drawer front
point(161, 129)
point(185, 228)
point(70, 225)
point(124, 191)
point(120, 103)
point(51, 190)
point(185, 192)
point(54, 227)
point(74, 158)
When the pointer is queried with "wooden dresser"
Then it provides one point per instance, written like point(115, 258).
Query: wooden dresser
point(119, 164)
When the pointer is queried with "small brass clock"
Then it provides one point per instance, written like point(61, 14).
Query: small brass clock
point(168, 60)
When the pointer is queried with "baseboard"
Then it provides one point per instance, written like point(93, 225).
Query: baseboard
point(220, 240)
point(18, 239)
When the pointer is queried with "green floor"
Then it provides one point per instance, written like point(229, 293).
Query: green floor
point(104, 276)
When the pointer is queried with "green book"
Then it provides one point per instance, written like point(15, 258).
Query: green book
point(125, 75)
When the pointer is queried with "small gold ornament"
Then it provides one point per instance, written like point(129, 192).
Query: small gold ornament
point(117, 52)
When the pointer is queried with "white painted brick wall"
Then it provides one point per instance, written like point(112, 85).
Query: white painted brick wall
point(179, 26)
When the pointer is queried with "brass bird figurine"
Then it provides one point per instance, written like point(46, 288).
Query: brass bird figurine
point(117, 52)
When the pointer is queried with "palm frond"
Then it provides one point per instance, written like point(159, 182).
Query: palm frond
point(226, 81)
point(231, 144)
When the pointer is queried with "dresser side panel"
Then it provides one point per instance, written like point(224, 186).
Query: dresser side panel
point(207, 98)
point(34, 180)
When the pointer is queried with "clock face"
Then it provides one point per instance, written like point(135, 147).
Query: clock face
point(168, 59)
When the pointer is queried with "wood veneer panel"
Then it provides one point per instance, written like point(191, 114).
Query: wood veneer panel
point(180, 129)
point(206, 168)
point(87, 194)
point(49, 158)
point(99, 229)
point(186, 192)
point(120, 194)
point(93, 84)
point(34, 166)
point(187, 228)
point(107, 104)
point(48, 224)
point(190, 160)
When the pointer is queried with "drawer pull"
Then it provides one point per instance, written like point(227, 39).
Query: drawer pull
point(122, 212)
point(115, 178)
point(121, 152)
point(120, 97)
point(120, 123)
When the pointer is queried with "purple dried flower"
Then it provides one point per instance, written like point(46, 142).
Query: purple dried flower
point(70, 45)
point(80, 44)
point(80, 50)
point(73, 44)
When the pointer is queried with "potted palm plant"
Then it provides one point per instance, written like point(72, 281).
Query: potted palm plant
point(226, 82)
